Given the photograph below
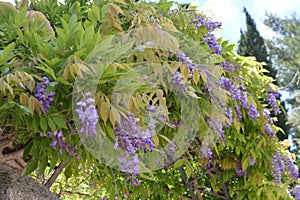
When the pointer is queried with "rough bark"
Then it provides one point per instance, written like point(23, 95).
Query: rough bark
point(15, 187)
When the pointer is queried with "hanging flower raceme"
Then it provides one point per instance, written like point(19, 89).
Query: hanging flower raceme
point(201, 21)
point(296, 192)
point(227, 66)
point(212, 43)
point(58, 141)
point(41, 94)
point(209, 38)
point(253, 113)
point(269, 130)
point(182, 57)
point(88, 115)
point(272, 101)
point(292, 168)
point(131, 137)
point(130, 166)
point(228, 113)
point(177, 80)
point(278, 167)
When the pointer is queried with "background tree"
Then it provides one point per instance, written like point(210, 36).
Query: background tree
point(285, 52)
point(284, 49)
point(251, 43)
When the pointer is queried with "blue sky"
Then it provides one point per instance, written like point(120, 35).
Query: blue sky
point(230, 13)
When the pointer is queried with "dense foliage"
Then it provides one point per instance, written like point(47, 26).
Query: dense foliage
point(175, 113)
point(251, 43)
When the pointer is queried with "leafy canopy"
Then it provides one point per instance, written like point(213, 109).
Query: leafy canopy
point(51, 57)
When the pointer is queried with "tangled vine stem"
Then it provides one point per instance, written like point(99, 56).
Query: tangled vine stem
point(224, 187)
point(187, 184)
point(56, 173)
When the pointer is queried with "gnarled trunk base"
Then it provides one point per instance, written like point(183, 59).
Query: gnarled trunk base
point(15, 187)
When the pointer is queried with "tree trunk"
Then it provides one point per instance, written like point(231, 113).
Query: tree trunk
point(15, 187)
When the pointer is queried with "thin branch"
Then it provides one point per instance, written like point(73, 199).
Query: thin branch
point(224, 187)
point(54, 176)
point(225, 190)
point(210, 193)
point(197, 178)
point(186, 183)
point(293, 80)
point(74, 192)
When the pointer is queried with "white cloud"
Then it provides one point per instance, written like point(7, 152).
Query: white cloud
point(229, 12)
point(10, 1)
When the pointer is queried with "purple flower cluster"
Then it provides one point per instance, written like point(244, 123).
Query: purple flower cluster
point(217, 127)
point(238, 113)
point(278, 167)
point(130, 166)
point(161, 32)
point(212, 43)
point(88, 115)
point(130, 136)
point(206, 152)
point(226, 83)
point(296, 192)
point(177, 80)
point(201, 21)
point(188, 62)
point(244, 98)
point(272, 101)
point(266, 113)
point(57, 141)
point(41, 94)
point(228, 66)
point(239, 170)
point(252, 160)
point(228, 113)
point(292, 168)
point(209, 38)
point(171, 149)
point(269, 130)
point(253, 112)
point(239, 94)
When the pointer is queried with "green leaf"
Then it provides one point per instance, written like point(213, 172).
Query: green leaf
point(43, 124)
point(43, 164)
point(6, 55)
point(51, 124)
point(51, 86)
point(68, 172)
point(48, 70)
point(188, 171)
point(30, 167)
point(100, 50)
point(179, 163)
point(27, 150)
point(35, 123)
point(54, 160)
point(60, 121)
